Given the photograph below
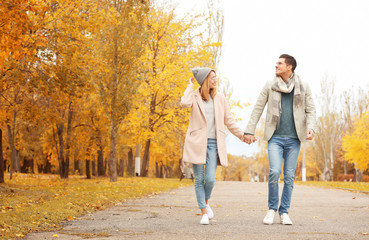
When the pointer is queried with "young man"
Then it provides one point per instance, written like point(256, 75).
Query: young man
point(290, 119)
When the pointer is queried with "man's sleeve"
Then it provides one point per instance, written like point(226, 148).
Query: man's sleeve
point(258, 110)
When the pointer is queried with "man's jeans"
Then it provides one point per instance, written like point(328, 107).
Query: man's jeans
point(280, 148)
point(205, 179)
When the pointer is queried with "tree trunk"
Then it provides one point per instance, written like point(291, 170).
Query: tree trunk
point(113, 151)
point(157, 170)
point(113, 114)
point(93, 168)
point(46, 166)
point(130, 164)
point(100, 163)
point(60, 130)
point(146, 159)
point(121, 167)
point(76, 167)
point(27, 166)
point(2, 166)
point(100, 156)
point(88, 172)
point(14, 163)
point(69, 132)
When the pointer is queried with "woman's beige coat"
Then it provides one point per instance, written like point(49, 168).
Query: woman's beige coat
point(197, 133)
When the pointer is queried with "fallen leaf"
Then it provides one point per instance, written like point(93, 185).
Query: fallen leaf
point(70, 218)
point(55, 236)
point(365, 233)
point(354, 198)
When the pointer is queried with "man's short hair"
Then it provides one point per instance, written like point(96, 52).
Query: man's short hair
point(289, 61)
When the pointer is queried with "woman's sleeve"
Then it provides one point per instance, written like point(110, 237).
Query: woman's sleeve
point(230, 123)
point(187, 98)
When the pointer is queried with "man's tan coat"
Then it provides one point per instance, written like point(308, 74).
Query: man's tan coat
point(304, 116)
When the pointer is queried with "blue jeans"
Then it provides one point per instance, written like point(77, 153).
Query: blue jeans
point(205, 178)
point(280, 148)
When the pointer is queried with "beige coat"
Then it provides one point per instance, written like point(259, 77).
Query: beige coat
point(304, 116)
point(196, 138)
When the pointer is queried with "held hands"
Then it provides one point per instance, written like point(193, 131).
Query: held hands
point(310, 134)
point(248, 139)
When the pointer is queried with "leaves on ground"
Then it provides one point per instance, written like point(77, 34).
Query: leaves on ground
point(31, 203)
point(359, 186)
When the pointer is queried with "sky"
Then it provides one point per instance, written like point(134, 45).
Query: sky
point(327, 38)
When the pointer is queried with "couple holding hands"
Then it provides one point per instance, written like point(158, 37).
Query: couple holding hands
point(290, 120)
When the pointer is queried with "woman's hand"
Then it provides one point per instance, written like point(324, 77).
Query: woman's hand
point(192, 80)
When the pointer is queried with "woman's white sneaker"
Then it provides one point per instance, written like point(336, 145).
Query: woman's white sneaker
point(209, 211)
point(269, 218)
point(285, 219)
point(204, 220)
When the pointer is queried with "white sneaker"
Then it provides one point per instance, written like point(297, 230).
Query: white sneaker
point(285, 219)
point(204, 220)
point(269, 218)
point(210, 212)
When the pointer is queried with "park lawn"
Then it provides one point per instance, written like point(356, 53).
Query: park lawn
point(30, 203)
point(360, 186)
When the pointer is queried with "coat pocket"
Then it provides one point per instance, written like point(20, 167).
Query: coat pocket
point(194, 132)
point(223, 131)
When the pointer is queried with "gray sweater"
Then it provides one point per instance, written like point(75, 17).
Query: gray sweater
point(287, 124)
point(210, 118)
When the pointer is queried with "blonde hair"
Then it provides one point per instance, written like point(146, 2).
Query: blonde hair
point(205, 89)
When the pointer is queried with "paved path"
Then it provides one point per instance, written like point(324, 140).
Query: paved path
point(239, 208)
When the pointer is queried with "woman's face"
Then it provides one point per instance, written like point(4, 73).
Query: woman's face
point(212, 80)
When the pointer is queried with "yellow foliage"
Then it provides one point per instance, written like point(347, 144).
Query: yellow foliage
point(356, 145)
point(361, 186)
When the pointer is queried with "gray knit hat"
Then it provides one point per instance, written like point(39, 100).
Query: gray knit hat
point(201, 74)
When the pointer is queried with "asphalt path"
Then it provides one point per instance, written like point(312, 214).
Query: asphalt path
point(239, 208)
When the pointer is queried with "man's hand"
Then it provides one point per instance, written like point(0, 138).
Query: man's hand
point(248, 138)
point(310, 134)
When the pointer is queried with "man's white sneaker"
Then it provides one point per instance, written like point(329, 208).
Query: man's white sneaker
point(210, 212)
point(285, 219)
point(204, 220)
point(269, 218)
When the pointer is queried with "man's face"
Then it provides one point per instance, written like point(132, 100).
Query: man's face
point(282, 68)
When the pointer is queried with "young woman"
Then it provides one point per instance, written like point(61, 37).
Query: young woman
point(205, 144)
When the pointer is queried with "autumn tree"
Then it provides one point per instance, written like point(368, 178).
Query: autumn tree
point(64, 70)
point(169, 55)
point(356, 145)
point(355, 104)
point(21, 38)
point(215, 30)
point(121, 35)
point(329, 133)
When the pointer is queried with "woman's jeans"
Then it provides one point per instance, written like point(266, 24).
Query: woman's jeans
point(280, 148)
point(205, 179)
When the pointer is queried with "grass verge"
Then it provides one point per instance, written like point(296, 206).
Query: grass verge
point(30, 203)
point(355, 186)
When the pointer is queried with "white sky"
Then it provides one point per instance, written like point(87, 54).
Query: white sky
point(325, 36)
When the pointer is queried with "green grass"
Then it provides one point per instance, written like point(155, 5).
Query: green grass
point(359, 186)
point(30, 203)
